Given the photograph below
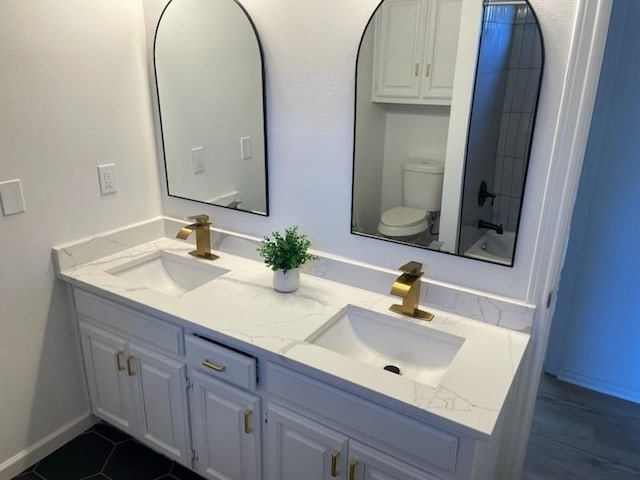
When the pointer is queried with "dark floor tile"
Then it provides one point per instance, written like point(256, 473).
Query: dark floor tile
point(109, 432)
point(27, 476)
point(183, 473)
point(27, 470)
point(97, 477)
point(80, 458)
point(133, 461)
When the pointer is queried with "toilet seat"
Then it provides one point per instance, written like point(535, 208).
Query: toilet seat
point(403, 222)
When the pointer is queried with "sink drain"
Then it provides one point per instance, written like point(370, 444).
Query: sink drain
point(392, 369)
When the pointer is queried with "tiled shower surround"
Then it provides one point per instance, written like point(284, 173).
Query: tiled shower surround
point(504, 104)
point(518, 114)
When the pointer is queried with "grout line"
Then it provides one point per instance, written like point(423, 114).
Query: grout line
point(113, 449)
point(105, 438)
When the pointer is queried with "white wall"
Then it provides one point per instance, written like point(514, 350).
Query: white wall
point(413, 132)
point(73, 94)
point(370, 138)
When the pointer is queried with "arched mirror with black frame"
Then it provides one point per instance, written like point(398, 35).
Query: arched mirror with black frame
point(445, 106)
point(209, 75)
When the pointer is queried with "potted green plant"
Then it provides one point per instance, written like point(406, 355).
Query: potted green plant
point(284, 254)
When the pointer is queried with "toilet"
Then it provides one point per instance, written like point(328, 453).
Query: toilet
point(422, 195)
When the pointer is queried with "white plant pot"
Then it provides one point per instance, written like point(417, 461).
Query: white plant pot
point(286, 282)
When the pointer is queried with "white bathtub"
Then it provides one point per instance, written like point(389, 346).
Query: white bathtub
point(493, 247)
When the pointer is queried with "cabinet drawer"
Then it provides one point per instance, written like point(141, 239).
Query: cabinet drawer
point(221, 362)
point(150, 330)
point(425, 446)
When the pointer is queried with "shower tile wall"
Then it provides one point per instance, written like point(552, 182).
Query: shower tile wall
point(518, 114)
point(504, 104)
point(485, 125)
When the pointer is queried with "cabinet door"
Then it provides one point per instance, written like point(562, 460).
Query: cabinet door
point(443, 28)
point(299, 448)
point(366, 463)
point(159, 387)
point(399, 45)
point(105, 363)
point(226, 430)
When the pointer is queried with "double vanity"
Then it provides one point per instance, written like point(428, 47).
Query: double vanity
point(205, 363)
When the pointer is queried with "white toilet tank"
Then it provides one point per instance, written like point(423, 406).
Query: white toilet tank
point(422, 184)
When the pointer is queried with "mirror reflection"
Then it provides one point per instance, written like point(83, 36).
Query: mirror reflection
point(209, 75)
point(446, 96)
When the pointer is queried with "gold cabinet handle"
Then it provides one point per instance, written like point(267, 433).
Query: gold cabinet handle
point(352, 469)
point(335, 456)
point(247, 421)
point(427, 70)
point(209, 364)
point(417, 69)
point(119, 366)
point(130, 369)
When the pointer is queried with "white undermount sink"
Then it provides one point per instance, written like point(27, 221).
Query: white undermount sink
point(168, 273)
point(420, 352)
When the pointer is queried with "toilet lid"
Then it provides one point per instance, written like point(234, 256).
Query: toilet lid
point(404, 217)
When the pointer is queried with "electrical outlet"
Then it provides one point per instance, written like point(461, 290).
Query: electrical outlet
point(107, 175)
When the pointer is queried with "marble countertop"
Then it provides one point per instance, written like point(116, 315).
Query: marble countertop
point(243, 305)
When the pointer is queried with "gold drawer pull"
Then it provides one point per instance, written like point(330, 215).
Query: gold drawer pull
point(130, 369)
point(119, 366)
point(352, 469)
point(247, 421)
point(209, 364)
point(335, 456)
point(417, 69)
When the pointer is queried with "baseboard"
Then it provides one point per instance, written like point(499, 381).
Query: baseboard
point(615, 390)
point(43, 447)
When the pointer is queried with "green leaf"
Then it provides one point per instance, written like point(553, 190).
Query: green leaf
point(286, 252)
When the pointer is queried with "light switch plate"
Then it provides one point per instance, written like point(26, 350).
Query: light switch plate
point(107, 175)
point(197, 159)
point(245, 148)
point(12, 197)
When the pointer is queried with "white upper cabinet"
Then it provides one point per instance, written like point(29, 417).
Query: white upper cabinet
point(415, 49)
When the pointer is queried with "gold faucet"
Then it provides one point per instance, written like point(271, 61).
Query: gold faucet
point(407, 286)
point(203, 238)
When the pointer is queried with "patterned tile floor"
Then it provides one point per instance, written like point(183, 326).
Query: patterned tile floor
point(105, 453)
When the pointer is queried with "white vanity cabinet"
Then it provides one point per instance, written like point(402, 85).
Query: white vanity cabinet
point(109, 387)
point(302, 448)
point(138, 390)
point(318, 432)
point(225, 416)
point(415, 50)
